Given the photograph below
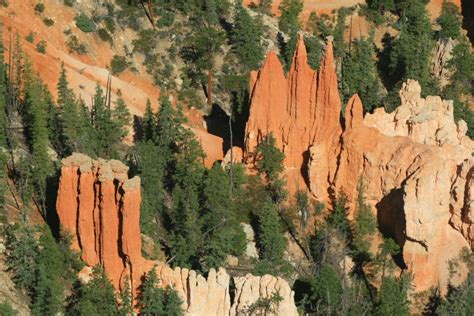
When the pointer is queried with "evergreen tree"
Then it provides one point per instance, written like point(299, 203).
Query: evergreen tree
point(461, 66)
point(122, 118)
point(126, 300)
point(271, 242)
point(364, 226)
point(246, 38)
point(151, 167)
point(68, 114)
point(359, 74)
point(327, 291)
point(148, 125)
point(22, 256)
point(105, 130)
point(222, 231)
point(337, 219)
point(393, 298)
point(289, 18)
point(7, 310)
point(35, 109)
point(314, 46)
point(173, 303)
point(450, 20)
point(158, 301)
point(97, 297)
point(270, 164)
point(410, 54)
point(152, 297)
point(460, 299)
point(269, 158)
point(48, 289)
point(338, 32)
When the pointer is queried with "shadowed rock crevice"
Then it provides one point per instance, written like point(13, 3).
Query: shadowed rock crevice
point(391, 221)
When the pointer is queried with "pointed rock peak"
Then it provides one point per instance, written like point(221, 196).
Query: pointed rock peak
point(328, 59)
point(301, 56)
point(354, 112)
point(272, 61)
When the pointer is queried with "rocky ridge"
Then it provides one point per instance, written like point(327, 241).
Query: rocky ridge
point(416, 162)
point(100, 207)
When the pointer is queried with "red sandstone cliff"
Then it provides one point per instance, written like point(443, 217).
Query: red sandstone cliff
point(416, 162)
point(100, 207)
point(299, 110)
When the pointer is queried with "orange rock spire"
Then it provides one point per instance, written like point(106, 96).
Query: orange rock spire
point(299, 111)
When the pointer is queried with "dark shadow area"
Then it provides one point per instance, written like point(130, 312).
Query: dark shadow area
point(467, 11)
point(52, 218)
point(391, 221)
point(137, 128)
point(302, 288)
point(218, 124)
point(304, 168)
point(433, 303)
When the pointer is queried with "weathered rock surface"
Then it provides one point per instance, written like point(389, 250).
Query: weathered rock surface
point(100, 207)
point(298, 111)
point(416, 162)
point(410, 184)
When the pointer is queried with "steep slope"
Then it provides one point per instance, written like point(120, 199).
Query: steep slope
point(416, 162)
point(100, 207)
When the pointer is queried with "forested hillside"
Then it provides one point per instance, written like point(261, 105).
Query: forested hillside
point(252, 151)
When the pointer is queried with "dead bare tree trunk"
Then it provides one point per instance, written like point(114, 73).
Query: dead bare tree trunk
point(149, 12)
point(209, 86)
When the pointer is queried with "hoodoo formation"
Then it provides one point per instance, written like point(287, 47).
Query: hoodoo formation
point(416, 162)
point(299, 110)
point(100, 207)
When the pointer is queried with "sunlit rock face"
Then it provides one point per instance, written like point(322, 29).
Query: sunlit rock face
point(100, 207)
point(416, 162)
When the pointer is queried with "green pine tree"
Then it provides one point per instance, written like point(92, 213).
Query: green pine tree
point(450, 20)
point(246, 38)
point(22, 256)
point(223, 233)
point(359, 74)
point(272, 243)
point(35, 117)
point(461, 66)
point(97, 297)
point(152, 297)
point(364, 226)
point(48, 288)
point(122, 118)
point(289, 18)
point(393, 298)
point(410, 53)
point(173, 303)
point(148, 123)
point(108, 132)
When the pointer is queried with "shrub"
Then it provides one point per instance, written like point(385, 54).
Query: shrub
point(75, 46)
point(48, 22)
point(7, 310)
point(110, 25)
point(69, 3)
point(118, 64)
point(41, 46)
point(4, 3)
point(84, 23)
point(30, 37)
point(105, 36)
point(39, 7)
point(166, 18)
